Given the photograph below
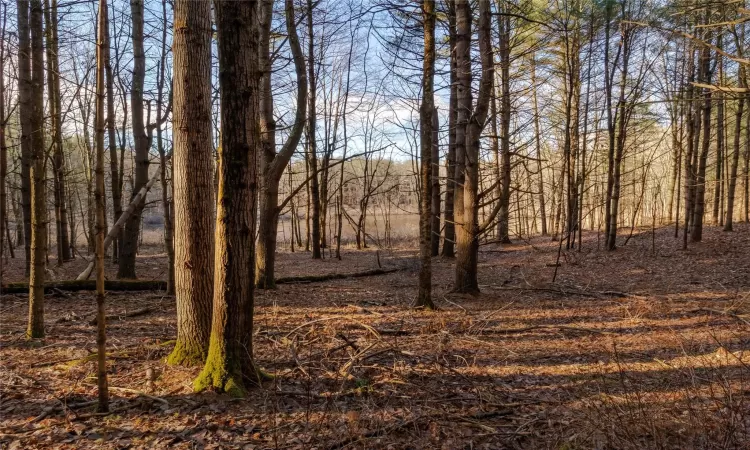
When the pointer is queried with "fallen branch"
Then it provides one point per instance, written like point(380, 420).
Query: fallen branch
point(593, 294)
point(88, 285)
point(115, 230)
point(136, 313)
point(722, 313)
point(542, 327)
point(159, 285)
point(335, 276)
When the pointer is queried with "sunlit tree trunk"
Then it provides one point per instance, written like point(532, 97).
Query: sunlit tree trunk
point(426, 124)
point(193, 188)
point(229, 363)
point(38, 187)
point(474, 120)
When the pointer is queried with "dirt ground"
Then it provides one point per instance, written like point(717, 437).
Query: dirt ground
point(645, 347)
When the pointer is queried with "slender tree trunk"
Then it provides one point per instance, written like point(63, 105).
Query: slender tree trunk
point(450, 160)
point(504, 50)
point(230, 354)
point(101, 221)
point(696, 234)
point(114, 167)
point(24, 113)
point(38, 188)
point(55, 106)
point(129, 246)
point(311, 135)
point(728, 222)
point(435, 194)
point(3, 152)
point(538, 147)
point(718, 182)
point(427, 123)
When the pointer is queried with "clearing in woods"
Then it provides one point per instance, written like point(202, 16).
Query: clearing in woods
point(645, 347)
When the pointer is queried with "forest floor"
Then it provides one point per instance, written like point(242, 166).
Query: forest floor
point(644, 347)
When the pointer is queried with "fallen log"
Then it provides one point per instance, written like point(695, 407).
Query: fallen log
point(335, 276)
point(88, 285)
point(159, 285)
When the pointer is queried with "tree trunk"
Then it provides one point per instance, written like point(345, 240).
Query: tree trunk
point(113, 165)
point(435, 179)
point(272, 164)
point(696, 234)
point(427, 122)
point(3, 154)
point(230, 354)
point(469, 230)
point(193, 189)
point(38, 192)
point(503, 23)
point(24, 113)
point(728, 222)
point(311, 138)
point(55, 106)
point(538, 148)
point(449, 237)
point(101, 221)
point(129, 246)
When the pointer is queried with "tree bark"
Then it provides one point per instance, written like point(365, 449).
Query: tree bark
point(696, 234)
point(38, 192)
point(58, 159)
point(728, 221)
point(24, 113)
point(474, 120)
point(449, 233)
point(503, 23)
point(230, 354)
point(311, 136)
point(193, 180)
point(272, 164)
point(101, 221)
point(435, 179)
point(426, 124)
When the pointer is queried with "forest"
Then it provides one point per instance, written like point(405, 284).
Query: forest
point(355, 224)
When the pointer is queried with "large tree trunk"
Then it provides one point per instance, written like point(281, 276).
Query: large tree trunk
point(38, 188)
point(426, 124)
point(193, 180)
point(24, 113)
point(449, 236)
point(129, 246)
point(230, 354)
point(469, 230)
point(272, 164)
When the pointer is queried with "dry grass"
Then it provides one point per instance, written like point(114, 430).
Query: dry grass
point(641, 348)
